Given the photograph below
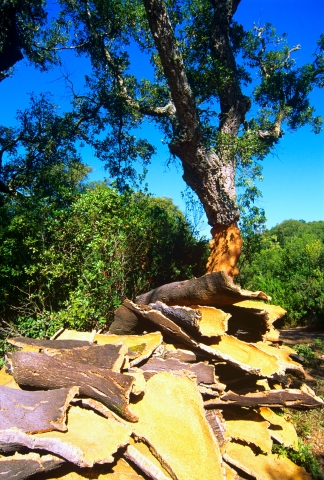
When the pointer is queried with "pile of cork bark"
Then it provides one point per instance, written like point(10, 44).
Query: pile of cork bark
point(184, 386)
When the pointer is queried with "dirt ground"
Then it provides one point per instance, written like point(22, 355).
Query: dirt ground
point(300, 335)
point(310, 424)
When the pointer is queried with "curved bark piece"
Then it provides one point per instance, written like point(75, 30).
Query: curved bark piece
point(140, 347)
point(284, 359)
point(19, 467)
point(256, 317)
point(249, 428)
point(183, 316)
point(35, 411)
point(218, 426)
point(265, 467)
point(246, 356)
point(280, 429)
point(42, 371)
point(103, 356)
point(213, 323)
point(144, 464)
point(80, 443)
point(214, 289)
point(172, 422)
point(291, 398)
point(204, 373)
point(167, 326)
point(226, 246)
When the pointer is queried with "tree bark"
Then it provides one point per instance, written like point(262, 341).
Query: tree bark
point(42, 371)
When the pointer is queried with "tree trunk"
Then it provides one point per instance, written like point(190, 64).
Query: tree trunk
point(210, 173)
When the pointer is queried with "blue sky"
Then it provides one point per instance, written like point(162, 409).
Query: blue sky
point(293, 186)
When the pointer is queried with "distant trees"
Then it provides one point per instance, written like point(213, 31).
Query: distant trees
point(287, 262)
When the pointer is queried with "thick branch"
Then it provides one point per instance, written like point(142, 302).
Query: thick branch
point(174, 70)
point(234, 104)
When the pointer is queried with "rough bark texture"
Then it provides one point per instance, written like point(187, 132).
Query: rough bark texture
point(34, 412)
point(39, 370)
point(204, 373)
point(226, 246)
point(214, 289)
point(272, 398)
point(19, 467)
point(209, 175)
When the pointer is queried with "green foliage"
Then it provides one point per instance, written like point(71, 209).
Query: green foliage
point(24, 33)
point(303, 457)
point(309, 356)
point(72, 264)
point(287, 262)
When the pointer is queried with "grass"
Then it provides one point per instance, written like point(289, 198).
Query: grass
point(309, 424)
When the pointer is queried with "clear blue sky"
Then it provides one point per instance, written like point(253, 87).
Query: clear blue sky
point(293, 186)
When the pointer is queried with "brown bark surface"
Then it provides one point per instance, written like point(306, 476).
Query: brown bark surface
point(96, 442)
point(33, 411)
point(204, 373)
point(274, 398)
point(19, 467)
point(214, 289)
point(109, 356)
point(42, 371)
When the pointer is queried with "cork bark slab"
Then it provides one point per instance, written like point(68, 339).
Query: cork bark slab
point(283, 356)
point(249, 428)
point(185, 317)
point(90, 439)
point(213, 323)
point(246, 356)
point(140, 347)
point(19, 467)
point(280, 429)
point(204, 373)
point(172, 422)
point(104, 356)
point(263, 467)
point(42, 371)
point(166, 325)
point(35, 411)
point(214, 290)
point(140, 455)
point(292, 398)
point(121, 470)
point(218, 426)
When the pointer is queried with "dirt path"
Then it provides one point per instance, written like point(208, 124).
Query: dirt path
point(304, 335)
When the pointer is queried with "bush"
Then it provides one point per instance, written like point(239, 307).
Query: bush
point(291, 271)
point(75, 267)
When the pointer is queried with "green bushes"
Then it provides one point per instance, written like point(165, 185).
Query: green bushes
point(72, 266)
point(289, 266)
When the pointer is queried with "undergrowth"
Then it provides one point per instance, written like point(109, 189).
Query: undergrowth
point(302, 457)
